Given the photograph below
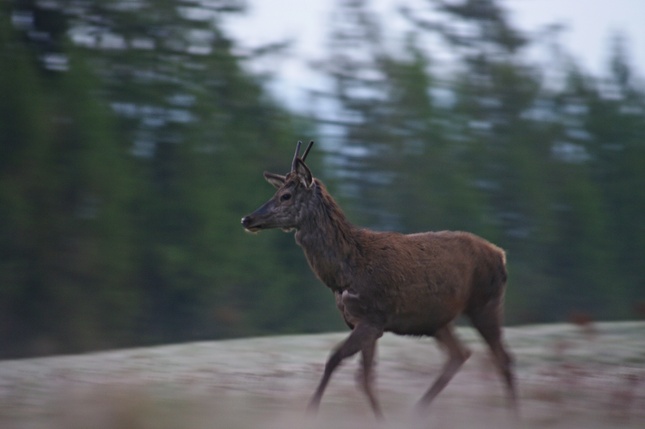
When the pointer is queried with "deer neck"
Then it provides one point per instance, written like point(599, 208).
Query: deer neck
point(329, 241)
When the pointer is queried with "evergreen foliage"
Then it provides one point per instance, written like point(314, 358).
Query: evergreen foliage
point(132, 140)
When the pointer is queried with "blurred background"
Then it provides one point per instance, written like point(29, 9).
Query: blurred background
point(134, 134)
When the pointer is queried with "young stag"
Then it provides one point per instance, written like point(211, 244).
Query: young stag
point(415, 284)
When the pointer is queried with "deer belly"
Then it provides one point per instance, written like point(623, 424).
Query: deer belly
point(421, 317)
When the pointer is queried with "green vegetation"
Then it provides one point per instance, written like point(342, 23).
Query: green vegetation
point(132, 140)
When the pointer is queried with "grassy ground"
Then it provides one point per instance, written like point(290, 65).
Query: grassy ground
point(568, 377)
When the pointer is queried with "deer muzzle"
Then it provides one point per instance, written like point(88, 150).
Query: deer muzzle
point(249, 224)
point(259, 219)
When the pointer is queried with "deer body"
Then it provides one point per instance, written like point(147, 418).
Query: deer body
point(415, 284)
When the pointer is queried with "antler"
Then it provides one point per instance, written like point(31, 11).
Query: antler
point(295, 156)
point(304, 155)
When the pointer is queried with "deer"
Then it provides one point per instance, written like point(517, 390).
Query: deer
point(407, 284)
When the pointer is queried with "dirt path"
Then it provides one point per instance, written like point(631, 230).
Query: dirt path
point(568, 378)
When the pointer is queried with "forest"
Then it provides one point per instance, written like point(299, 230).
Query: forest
point(133, 137)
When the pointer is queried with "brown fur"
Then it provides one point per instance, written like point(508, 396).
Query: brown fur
point(415, 284)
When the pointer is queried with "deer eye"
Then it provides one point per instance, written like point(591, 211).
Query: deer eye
point(285, 197)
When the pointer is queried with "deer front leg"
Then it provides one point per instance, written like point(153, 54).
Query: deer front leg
point(363, 337)
point(365, 377)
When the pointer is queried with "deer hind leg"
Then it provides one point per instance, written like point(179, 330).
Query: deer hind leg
point(488, 320)
point(363, 338)
point(457, 355)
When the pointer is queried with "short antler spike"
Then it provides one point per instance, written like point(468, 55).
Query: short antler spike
point(304, 155)
point(295, 156)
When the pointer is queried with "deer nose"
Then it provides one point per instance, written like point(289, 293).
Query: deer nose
point(246, 220)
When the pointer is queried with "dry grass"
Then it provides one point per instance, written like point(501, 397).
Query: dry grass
point(568, 378)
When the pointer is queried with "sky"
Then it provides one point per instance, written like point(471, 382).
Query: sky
point(590, 24)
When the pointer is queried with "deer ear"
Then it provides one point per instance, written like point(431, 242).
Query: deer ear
point(304, 173)
point(275, 179)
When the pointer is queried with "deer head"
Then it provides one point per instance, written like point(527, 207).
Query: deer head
point(286, 208)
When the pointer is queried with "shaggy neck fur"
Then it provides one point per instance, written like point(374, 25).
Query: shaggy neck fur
point(329, 240)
